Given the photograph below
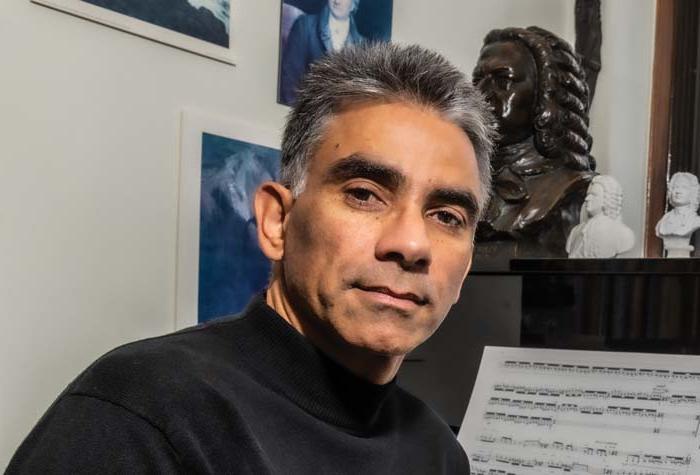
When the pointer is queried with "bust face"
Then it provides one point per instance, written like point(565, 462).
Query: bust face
point(340, 9)
point(594, 199)
point(506, 72)
point(681, 193)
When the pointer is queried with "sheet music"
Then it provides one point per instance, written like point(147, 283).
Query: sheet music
point(537, 411)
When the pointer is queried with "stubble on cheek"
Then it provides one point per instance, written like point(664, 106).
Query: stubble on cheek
point(308, 249)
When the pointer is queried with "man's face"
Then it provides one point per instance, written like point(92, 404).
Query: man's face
point(340, 9)
point(378, 244)
point(507, 74)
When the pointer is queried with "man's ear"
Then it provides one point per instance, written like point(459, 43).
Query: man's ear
point(272, 204)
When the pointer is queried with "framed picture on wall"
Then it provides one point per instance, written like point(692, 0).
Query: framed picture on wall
point(309, 29)
point(219, 263)
point(199, 26)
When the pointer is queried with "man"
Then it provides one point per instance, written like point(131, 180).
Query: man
point(313, 36)
point(385, 171)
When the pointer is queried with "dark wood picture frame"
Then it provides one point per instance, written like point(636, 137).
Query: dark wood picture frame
point(674, 141)
point(660, 125)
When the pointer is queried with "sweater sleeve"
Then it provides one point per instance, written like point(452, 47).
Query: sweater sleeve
point(83, 434)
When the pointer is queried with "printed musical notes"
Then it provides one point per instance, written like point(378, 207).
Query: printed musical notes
point(604, 370)
point(576, 412)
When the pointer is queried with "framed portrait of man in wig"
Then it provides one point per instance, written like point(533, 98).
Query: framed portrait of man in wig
point(310, 29)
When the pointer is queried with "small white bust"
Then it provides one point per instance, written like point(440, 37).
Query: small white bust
point(601, 232)
point(678, 225)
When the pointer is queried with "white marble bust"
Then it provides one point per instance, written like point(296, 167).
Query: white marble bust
point(678, 225)
point(601, 232)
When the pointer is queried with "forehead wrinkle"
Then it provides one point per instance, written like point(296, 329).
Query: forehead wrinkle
point(359, 165)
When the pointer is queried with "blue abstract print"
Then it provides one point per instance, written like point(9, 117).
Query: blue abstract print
point(231, 266)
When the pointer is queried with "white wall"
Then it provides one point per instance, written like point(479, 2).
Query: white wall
point(622, 104)
point(88, 165)
point(457, 28)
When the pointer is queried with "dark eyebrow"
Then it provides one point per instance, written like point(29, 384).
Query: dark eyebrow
point(362, 166)
point(457, 197)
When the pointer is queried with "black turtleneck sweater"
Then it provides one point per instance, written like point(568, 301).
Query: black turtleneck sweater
point(247, 395)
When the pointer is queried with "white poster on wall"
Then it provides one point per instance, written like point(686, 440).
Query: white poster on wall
point(203, 27)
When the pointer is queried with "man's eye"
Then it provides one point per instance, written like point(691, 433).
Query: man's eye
point(361, 194)
point(449, 218)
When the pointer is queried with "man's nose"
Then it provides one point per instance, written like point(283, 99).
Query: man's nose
point(405, 240)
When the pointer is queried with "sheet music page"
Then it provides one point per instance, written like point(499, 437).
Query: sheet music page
point(536, 411)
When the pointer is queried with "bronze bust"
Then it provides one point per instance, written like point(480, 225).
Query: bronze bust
point(542, 167)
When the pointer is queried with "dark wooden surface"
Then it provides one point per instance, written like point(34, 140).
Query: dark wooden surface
point(660, 125)
point(589, 38)
point(605, 266)
point(685, 123)
point(684, 146)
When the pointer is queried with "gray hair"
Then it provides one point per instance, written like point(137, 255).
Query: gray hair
point(384, 72)
point(612, 195)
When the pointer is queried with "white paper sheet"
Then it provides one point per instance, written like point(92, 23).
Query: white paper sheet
point(537, 411)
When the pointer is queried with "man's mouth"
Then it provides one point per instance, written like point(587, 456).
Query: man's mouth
point(398, 296)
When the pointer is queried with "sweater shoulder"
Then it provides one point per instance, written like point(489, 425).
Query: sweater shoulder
point(160, 370)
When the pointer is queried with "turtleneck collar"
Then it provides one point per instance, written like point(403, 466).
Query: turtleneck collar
point(286, 362)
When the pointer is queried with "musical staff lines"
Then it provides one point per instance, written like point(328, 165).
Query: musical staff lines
point(646, 414)
point(554, 466)
point(660, 394)
point(599, 450)
point(550, 422)
point(583, 369)
point(574, 413)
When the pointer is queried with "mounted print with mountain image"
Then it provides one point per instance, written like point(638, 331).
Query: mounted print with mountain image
point(199, 26)
point(219, 264)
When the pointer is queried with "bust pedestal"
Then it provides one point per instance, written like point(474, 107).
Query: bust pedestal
point(678, 246)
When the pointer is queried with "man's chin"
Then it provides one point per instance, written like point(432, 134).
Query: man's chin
point(389, 347)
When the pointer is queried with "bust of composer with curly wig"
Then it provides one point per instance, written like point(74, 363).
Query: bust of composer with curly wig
point(601, 232)
point(542, 168)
